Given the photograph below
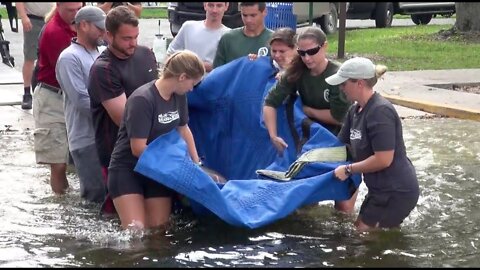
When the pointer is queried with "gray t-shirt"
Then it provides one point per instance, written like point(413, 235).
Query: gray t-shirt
point(147, 115)
point(378, 128)
point(72, 72)
point(39, 9)
point(196, 37)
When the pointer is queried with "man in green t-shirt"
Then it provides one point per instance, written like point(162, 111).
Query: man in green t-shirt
point(247, 39)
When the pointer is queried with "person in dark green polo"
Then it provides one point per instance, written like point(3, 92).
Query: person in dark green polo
point(250, 38)
point(322, 103)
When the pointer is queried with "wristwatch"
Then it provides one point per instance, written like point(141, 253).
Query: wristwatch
point(348, 169)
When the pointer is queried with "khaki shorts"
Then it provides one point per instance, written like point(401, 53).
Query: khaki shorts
point(50, 134)
point(30, 40)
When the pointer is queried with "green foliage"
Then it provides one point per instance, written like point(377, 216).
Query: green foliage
point(3, 13)
point(410, 48)
point(154, 13)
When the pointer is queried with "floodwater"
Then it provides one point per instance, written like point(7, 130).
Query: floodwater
point(40, 229)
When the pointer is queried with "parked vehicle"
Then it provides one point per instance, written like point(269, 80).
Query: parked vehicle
point(324, 14)
point(382, 12)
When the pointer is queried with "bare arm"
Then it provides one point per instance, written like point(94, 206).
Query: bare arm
point(138, 145)
point(322, 116)
point(187, 135)
point(376, 162)
point(270, 119)
point(22, 13)
point(105, 6)
point(208, 66)
point(137, 8)
point(115, 108)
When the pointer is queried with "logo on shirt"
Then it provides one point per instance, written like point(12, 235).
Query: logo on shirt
point(326, 95)
point(355, 134)
point(263, 51)
point(169, 117)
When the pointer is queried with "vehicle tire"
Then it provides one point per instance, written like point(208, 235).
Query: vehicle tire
point(421, 18)
point(384, 14)
point(174, 28)
point(329, 22)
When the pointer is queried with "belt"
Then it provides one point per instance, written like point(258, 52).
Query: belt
point(50, 88)
point(31, 16)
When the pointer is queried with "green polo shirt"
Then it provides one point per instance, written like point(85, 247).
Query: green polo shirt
point(313, 91)
point(235, 44)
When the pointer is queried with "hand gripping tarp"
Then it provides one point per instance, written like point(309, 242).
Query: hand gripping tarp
point(226, 120)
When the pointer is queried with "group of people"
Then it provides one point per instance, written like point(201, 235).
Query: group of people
point(104, 108)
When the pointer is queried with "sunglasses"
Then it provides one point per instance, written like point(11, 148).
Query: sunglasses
point(310, 52)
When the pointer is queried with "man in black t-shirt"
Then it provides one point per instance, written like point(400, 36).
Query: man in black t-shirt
point(116, 73)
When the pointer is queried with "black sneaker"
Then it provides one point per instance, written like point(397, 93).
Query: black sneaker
point(27, 102)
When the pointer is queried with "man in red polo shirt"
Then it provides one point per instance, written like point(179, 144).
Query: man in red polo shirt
point(50, 135)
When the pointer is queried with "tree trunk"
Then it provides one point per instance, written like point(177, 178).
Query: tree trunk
point(468, 16)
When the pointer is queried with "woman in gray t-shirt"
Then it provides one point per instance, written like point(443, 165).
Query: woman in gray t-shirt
point(373, 131)
point(154, 109)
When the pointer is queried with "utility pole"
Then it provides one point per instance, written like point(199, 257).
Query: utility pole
point(342, 30)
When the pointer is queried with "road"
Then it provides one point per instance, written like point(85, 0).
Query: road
point(150, 27)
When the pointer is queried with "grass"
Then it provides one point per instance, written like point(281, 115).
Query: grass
point(3, 13)
point(421, 47)
point(154, 13)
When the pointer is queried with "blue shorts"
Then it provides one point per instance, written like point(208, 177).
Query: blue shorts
point(387, 209)
point(123, 181)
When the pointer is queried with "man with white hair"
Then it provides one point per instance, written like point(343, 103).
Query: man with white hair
point(50, 134)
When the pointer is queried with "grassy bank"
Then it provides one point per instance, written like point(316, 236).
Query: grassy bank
point(411, 48)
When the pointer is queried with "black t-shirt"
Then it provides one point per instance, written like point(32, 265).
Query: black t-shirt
point(378, 128)
point(147, 115)
point(109, 78)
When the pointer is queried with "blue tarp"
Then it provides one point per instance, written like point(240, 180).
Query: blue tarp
point(226, 121)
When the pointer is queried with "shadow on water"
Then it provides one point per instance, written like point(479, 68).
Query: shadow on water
point(43, 230)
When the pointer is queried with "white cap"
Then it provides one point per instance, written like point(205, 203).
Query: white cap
point(354, 68)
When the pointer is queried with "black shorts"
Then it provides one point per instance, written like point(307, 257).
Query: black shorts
point(126, 181)
point(387, 209)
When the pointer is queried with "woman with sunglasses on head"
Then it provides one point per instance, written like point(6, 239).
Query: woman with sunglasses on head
point(282, 49)
point(373, 131)
point(322, 103)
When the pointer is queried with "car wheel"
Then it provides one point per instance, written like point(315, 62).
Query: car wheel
point(174, 28)
point(383, 15)
point(329, 22)
point(421, 18)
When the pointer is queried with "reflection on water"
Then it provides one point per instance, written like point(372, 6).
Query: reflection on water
point(40, 229)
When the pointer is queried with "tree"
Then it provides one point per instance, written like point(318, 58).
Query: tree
point(468, 18)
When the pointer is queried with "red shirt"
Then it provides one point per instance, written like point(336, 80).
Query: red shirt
point(56, 36)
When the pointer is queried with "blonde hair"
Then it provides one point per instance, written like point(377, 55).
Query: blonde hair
point(379, 71)
point(50, 14)
point(184, 61)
